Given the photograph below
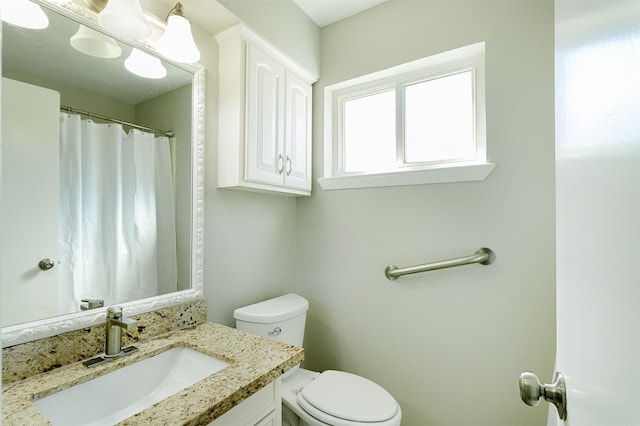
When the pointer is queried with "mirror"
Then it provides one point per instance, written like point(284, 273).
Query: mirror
point(78, 230)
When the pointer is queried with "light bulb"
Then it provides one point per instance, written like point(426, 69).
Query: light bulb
point(124, 18)
point(144, 65)
point(94, 43)
point(23, 13)
point(177, 41)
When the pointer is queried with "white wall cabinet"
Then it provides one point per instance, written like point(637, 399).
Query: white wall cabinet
point(264, 124)
point(264, 408)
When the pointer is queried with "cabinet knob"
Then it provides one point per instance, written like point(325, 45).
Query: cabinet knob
point(280, 164)
point(288, 166)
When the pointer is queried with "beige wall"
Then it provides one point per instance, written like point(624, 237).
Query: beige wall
point(449, 345)
point(284, 25)
point(172, 111)
point(79, 98)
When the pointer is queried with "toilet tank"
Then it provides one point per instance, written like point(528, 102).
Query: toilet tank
point(282, 318)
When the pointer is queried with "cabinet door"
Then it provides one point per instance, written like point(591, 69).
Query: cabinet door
point(261, 409)
point(265, 118)
point(297, 167)
point(269, 420)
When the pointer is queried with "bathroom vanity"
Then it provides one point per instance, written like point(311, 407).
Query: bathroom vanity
point(246, 392)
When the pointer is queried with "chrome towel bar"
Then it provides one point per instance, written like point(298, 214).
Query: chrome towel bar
point(484, 256)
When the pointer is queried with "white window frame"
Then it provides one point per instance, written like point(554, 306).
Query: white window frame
point(468, 58)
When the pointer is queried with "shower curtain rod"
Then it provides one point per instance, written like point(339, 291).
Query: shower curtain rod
point(168, 133)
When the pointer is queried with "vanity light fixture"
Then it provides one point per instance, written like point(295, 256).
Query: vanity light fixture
point(23, 13)
point(124, 18)
point(94, 43)
point(144, 65)
point(177, 41)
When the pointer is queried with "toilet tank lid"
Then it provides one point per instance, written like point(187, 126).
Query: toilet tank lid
point(273, 310)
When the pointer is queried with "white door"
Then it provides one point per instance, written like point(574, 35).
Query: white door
point(598, 210)
point(29, 210)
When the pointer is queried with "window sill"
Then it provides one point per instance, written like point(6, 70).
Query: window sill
point(441, 174)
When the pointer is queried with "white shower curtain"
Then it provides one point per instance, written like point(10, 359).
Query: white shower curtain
point(117, 220)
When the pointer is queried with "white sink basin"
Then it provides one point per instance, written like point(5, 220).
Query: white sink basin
point(109, 399)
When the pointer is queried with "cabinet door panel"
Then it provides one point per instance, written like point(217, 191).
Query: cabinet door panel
point(259, 409)
point(298, 141)
point(265, 162)
point(268, 420)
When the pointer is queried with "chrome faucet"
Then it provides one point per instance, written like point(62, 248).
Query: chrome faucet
point(116, 322)
point(91, 304)
point(113, 349)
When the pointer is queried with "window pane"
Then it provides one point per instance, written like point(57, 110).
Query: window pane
point(370, 133)
point(439, 119)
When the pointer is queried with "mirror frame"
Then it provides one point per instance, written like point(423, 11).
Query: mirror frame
point(34, 330)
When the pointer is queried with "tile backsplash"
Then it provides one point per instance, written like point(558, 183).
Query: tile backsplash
point(31, 358)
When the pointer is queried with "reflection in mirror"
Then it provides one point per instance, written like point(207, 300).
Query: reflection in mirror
point(97, 172)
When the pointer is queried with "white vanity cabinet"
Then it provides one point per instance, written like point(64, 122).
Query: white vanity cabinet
point(264, 408)
point(264, 141)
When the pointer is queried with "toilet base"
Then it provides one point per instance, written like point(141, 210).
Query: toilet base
point(289, 418)
point(291, 412)
point(293, 384)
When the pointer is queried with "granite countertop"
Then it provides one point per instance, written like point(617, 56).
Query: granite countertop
point(254, 363)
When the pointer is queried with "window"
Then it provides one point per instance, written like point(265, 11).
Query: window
point(421, 122)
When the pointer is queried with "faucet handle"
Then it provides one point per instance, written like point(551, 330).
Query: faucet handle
point(114, 312)
point(91, 304)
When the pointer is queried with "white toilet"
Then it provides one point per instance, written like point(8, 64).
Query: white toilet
point(332, 398)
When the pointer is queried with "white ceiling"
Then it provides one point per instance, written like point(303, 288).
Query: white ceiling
point(213, 17)
point(325, 12)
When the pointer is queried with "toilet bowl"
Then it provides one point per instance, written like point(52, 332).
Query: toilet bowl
point(333, 398)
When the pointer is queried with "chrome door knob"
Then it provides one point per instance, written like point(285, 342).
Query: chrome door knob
point(556, 393)
point(46, 264)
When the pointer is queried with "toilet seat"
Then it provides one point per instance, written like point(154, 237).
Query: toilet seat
point(343, 399)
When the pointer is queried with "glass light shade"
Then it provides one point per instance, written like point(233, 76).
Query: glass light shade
point(94, 43)
point(23, 13)
point(144, 65)
point(177, 41)
point(124, 18)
